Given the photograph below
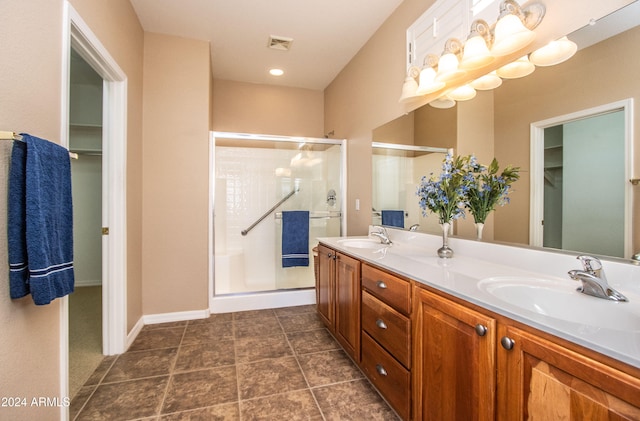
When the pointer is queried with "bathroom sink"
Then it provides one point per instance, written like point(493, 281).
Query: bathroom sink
point(361, 243)
point(560, 300)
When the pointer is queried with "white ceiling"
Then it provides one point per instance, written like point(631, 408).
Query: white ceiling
point(326, 34)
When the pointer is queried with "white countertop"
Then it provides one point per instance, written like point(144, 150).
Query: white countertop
point(413, 255)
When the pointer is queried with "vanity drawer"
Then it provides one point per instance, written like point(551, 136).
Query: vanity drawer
point(390, 289)
point(387, 375)
point(387, 326)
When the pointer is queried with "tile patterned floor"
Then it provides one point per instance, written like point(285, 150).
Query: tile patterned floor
point(279, 364)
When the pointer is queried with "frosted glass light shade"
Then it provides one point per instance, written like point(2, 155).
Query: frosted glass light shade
point(519, 68)
point(487, 82)
point(428, 84)
point(510, 36)
point(462, 93)
point(443, 103)
point(409, 89)
point(448, 68)
point(554, 53)
point(476, 53)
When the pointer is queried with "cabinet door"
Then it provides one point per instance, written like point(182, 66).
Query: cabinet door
point(541, 380)
point(453, 361)
point(443, 20)
point(347, 308)
point(325, 285)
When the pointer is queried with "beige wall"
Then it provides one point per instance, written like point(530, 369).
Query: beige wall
point(30, 88)
point(175, 191)
point(29, 354)
point(29, 351)
point(364, 96)
point(263, 109)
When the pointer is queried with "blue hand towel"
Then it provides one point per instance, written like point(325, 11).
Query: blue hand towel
point(41, 221)
point(295, 238)
point(393, 218)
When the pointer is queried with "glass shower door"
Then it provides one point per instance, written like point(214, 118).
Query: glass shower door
point(256, 179)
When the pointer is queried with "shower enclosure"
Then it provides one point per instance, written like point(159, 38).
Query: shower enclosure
point(254, 179)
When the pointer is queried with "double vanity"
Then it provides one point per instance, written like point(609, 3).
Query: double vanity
point(496, 332)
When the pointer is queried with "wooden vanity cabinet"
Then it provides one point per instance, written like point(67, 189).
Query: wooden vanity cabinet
point(386, 336)
point(541, 379)
point(437, 357)
point(454, 357)
point(468, 364)
point(338, 297)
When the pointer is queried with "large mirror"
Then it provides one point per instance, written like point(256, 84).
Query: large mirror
point(397, 170)
point(601, 79)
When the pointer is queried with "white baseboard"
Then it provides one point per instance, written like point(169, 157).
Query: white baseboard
point(262, 300)
point(152, 319)
point(134, 333)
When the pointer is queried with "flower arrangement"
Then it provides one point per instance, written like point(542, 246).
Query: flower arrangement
point(465, 183)
point(445, 194)
point(488, 189)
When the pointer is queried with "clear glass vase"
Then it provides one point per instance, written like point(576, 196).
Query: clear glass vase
point(445, 251)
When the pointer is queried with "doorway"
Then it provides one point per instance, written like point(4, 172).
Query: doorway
point(79, 38)
point(85, 141)
point(580, 194)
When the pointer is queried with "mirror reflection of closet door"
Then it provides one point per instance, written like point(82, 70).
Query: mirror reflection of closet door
point(584, 185)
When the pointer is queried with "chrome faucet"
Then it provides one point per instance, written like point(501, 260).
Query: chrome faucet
point(594, 281)
point(382, 234)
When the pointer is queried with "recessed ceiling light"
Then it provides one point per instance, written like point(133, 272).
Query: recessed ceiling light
point(276, 72)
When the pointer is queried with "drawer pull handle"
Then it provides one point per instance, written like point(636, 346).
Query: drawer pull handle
point(381, 324)
point(380, 369)
point(481, 330)
point(381, 285)
point(507, 343)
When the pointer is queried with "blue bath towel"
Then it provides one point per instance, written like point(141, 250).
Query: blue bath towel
point(17, 222)
point(40, 217)
point(393, 218)
point(295, 238)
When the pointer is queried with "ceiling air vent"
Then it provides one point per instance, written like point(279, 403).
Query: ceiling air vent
point(280, 43)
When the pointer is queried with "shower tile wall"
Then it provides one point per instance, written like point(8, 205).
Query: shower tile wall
point(249, 181)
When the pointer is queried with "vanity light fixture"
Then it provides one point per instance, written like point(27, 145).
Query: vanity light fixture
point(514, 28)
point(487, 82)
point(485, 43)
point(516, 69)
point(428, 83)
point(410, 86)
point(476, 51)
point(276, 72)
point(448, 69)
point(554, 53)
